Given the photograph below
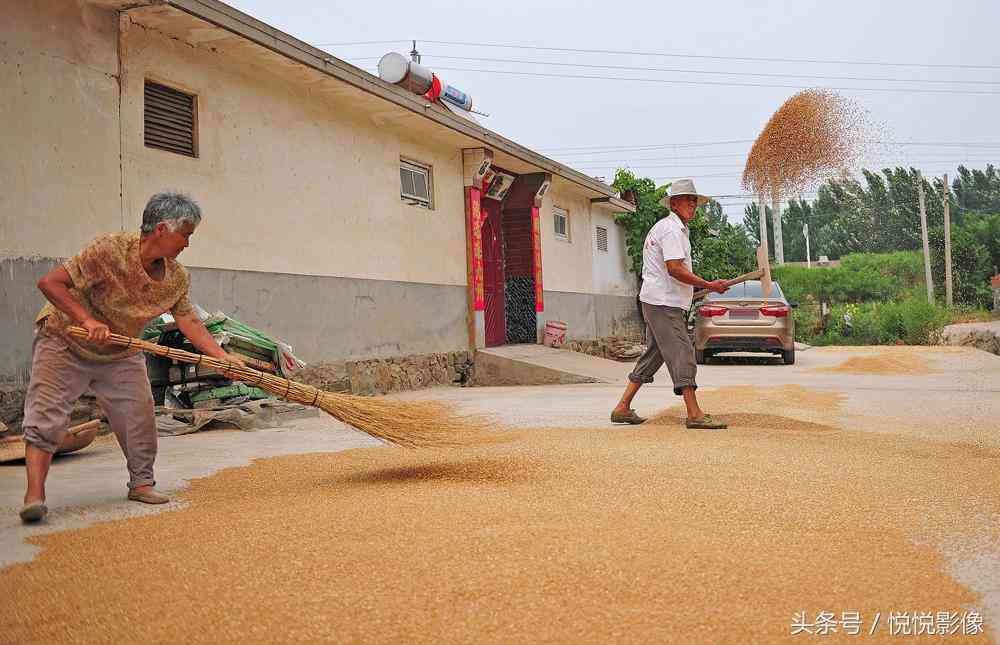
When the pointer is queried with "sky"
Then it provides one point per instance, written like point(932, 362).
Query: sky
point(704, 105)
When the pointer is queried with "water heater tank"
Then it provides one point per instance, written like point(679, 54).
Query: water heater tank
point(399, 70)
point(457, 97)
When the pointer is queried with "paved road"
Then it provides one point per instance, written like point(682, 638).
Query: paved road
point(855, 480)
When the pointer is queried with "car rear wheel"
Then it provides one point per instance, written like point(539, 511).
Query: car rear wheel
point(789, 356)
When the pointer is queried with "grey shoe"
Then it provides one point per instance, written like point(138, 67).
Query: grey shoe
point(148, 497)
point(33, 512)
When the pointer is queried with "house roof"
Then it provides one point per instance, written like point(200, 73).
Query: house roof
point(231, 20)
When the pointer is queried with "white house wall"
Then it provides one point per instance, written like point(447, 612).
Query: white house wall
point(611, 267)
point(59, 135)
point(590, 294)
point(291, 181)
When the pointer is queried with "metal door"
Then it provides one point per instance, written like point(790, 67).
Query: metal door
point(493, 274)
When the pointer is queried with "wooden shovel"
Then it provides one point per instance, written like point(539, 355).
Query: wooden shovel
point(763, 273)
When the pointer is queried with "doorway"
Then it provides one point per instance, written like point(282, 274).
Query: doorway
point(493, 273)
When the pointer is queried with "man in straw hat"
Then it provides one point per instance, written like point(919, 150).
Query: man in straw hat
point(117, 283)
point(667, 289)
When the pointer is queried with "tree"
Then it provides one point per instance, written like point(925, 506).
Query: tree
point(975, 254)
point(798, 214)
point(977, 190)
point(880, 215)
point(718, 248)
point(648, 212)
point(751, 225)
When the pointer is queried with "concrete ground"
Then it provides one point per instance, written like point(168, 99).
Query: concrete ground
point(89, 486)
point(936, 408)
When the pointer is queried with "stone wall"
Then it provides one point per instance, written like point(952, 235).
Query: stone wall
point(984, 336)
point(385, 375)
point(616, 348)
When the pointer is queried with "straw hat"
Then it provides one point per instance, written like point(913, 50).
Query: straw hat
point(683, 187)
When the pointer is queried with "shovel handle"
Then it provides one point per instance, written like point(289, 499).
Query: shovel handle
point(753, 275)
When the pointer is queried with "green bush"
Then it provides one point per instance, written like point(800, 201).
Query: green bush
point(975, 251)
point(912, 321)
point(861, 277)
point(806, 318)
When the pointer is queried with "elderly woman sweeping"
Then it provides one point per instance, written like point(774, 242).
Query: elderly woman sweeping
point(117, 283)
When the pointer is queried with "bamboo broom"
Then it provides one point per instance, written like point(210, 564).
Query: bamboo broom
point(411, 424)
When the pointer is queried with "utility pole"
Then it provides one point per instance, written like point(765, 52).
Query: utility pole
point(763, 223)
point(805, 234)
point(779, 243)
point(947, 245)
point(923, 233)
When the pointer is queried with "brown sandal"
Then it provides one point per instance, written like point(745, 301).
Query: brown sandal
point(706, 423)
point(631, 418)
point(33, 512)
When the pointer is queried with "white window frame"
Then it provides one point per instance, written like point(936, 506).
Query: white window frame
point(558, 212)
point(418, 168)
point(597, 238)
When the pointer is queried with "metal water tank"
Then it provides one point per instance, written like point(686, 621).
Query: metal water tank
point(457, 97)
point(399, 70)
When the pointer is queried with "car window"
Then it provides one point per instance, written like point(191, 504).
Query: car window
point(754, 290)
point(750, 289)
point(735, 291)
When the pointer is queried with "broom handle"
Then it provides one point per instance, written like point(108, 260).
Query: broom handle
point(153, 348)
point(283, 387)
point(93, 423)
point(160, 350)
point(753, 275)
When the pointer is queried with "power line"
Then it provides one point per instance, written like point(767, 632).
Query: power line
point(713, 72)
point(668, 165)
point(366, 42)
point(609, 149)
point(729, 175)
point(657, 145)
point(678, 158)
point(709, 57)
point(729, 165)
point(709, 176)
point(641, 162)
point(904, 90)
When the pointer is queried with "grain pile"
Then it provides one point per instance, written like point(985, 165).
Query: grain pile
point(888, 362)
point(801, 409)
point(586, 535)
point(748, 420)
point(812, 135)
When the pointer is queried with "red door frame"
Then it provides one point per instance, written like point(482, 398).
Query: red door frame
point(493, 274)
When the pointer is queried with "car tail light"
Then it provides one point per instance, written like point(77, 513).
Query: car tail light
point(711, 311)
point(777, 311)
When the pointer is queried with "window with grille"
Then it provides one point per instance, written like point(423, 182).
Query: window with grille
point(415, 184)
point(602, 239)
point(561, 222)
point(170, 119)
